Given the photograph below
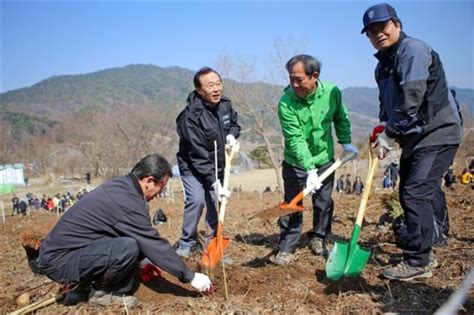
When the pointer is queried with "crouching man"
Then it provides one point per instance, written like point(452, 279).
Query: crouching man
point(99, 241)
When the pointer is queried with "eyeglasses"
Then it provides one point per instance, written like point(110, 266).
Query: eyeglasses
point(376, 28)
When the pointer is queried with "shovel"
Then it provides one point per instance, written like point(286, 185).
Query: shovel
point(292, 207)
point(349, 259)
point(216, 247)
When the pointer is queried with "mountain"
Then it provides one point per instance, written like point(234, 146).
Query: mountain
point(101, 90)
point(38, 108)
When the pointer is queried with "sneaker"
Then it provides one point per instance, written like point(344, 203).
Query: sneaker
point(183, 251)
point(405, 272)
point(102, 298)
point(282, 258)
point(78, 294)
point(318, 246)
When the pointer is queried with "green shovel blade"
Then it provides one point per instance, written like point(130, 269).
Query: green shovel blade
point(347, 259)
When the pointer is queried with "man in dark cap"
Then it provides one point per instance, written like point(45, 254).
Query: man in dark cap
point(417, 111)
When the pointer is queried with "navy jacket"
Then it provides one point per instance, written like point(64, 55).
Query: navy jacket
point(198, 125)
point(117, 208)
point(414, 97)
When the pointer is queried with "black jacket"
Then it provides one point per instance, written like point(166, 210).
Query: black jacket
point(414, 97)
point(115, 209)
point(198, 126)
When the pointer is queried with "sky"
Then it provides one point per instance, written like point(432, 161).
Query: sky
point(41, 39)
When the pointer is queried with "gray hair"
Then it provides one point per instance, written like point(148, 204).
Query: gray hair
point(311, 64)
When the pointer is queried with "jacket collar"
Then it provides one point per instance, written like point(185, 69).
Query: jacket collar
point(309, 99)
point(136, 184)
point(195, 101)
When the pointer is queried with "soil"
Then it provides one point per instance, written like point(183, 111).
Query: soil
point(254, 285)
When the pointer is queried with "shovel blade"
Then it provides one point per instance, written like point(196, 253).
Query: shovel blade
point(279, 211)
point(214, 251)
point(346, 260)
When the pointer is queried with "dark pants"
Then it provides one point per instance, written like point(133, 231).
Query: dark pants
point(197, 196)
point(323, 206)
point(110, 264)
point(423, 200)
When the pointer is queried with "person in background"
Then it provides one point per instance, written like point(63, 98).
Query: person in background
point(465, 177)
point(15, 202)
point(449, 178)
point(348, 184)
point(418, 111)
point(308, 110)
point(100, 242)
point(358, 186)
point(340, 183)
point(207, 118)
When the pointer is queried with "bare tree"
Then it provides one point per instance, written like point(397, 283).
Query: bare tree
point(259, 100)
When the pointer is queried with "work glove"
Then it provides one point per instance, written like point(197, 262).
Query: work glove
point(380, 128)
point(201, 282)
point(230, 140)
point(148, 270)
point(385, 144)
point(220, 191)
point(312, 180)
point(349, 148)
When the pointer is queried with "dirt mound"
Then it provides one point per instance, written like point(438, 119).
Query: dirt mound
point(254, 284)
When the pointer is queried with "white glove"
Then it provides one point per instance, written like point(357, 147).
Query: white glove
point(385, 144)
point(201, 282)
point(312, 180)
point(220, 191)
point(230, 140)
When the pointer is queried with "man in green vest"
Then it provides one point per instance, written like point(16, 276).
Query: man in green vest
point(307, 111)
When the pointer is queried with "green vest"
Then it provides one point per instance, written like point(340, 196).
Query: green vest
point(306, 125)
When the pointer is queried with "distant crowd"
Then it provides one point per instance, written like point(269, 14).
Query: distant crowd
point(58, 203)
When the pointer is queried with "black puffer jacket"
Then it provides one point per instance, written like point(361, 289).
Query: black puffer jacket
point(198, 126)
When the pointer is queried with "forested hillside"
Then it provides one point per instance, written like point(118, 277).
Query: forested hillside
point(90, 118)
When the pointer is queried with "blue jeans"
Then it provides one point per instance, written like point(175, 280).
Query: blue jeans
point(197, 196)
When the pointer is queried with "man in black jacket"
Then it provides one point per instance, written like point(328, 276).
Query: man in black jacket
point(98, 242)
point(418, 111)
point(207, 119)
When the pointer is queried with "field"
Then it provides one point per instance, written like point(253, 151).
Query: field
point(254, 284)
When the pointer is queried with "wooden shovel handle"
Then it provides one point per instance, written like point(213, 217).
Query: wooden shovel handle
point(368, 184)
point(229, 155)
point(37, 305)
point(345, 158)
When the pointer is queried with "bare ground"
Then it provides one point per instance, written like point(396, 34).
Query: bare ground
point(255, 285)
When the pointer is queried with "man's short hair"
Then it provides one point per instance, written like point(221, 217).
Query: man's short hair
point(311, 64)
point(200, 73)
point(152, 165)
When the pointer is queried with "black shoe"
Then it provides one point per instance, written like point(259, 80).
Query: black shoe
point(79, 293)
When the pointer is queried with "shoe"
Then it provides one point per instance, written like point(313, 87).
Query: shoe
point(405, 272)
point(102, 298)
point(282, 258)
point(78, 294)
point(183, 251)
point(432, 262)
point(318, 246)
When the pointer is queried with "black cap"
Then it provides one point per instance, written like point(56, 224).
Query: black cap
point(378, 13)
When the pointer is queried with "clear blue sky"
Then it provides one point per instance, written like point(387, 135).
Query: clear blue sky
point(45, 38)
